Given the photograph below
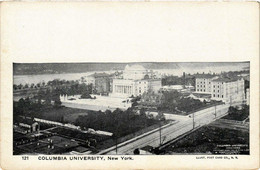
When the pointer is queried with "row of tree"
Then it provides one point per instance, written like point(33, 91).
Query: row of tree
point(119, 122)
point(52, 83)
point(57, 87)
point(28, 86)
point(175, 102)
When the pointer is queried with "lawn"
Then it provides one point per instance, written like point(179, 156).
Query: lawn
point(62, 114)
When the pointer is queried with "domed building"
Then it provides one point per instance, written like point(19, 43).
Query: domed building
point(134, 72)
point(135, 81)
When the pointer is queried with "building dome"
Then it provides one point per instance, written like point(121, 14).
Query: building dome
point(135, 67)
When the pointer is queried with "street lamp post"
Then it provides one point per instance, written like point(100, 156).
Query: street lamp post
point(215, 110)
point(160, 132)
point(193, 120)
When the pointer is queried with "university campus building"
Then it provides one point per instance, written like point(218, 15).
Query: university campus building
point(135, 81)
point(203, 83)
point(228, 90)
point(100, 82)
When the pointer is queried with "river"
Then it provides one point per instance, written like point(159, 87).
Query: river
point(23, 79)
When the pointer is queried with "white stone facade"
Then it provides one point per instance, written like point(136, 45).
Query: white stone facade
point(203, 85)
point(136, 80)
point(228, 91)
point(222, 89)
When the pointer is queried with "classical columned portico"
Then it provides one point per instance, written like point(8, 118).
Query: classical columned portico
point(124, 89)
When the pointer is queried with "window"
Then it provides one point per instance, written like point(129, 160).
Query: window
point(222, 96)
point(213, 90)
point(204, 85)
point(218, 95)
point(140, 91)
point(218, 86)
point(200, 85)
point(139, 82)
point(213, 95)
point(209, 82)
point(218, 90)
point(214, 86)
point(204, 90)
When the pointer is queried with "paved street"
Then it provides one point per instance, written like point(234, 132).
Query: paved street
point(170, 132)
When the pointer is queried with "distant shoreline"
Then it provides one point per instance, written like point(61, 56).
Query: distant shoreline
point(78, 68)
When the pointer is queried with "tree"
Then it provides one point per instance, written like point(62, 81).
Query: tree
point(38, 85)
point(26, 86)
point(169, 100)
point(134, 104)
point(15, 87)
point(32, 86)
point(48, 96)
point(108, 112)
point(86, 95)
point(20, 86)
point(57, 103)
point(160, 116)
point(142, 112)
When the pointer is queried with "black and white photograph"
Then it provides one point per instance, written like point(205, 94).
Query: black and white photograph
point(129, 85)
point(149, 108)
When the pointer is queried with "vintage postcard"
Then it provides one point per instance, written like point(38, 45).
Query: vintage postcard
point(130, 85)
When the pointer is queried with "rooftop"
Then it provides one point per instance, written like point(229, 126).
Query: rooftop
point(227, 79)
point(97, 75)
point(204, 76)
